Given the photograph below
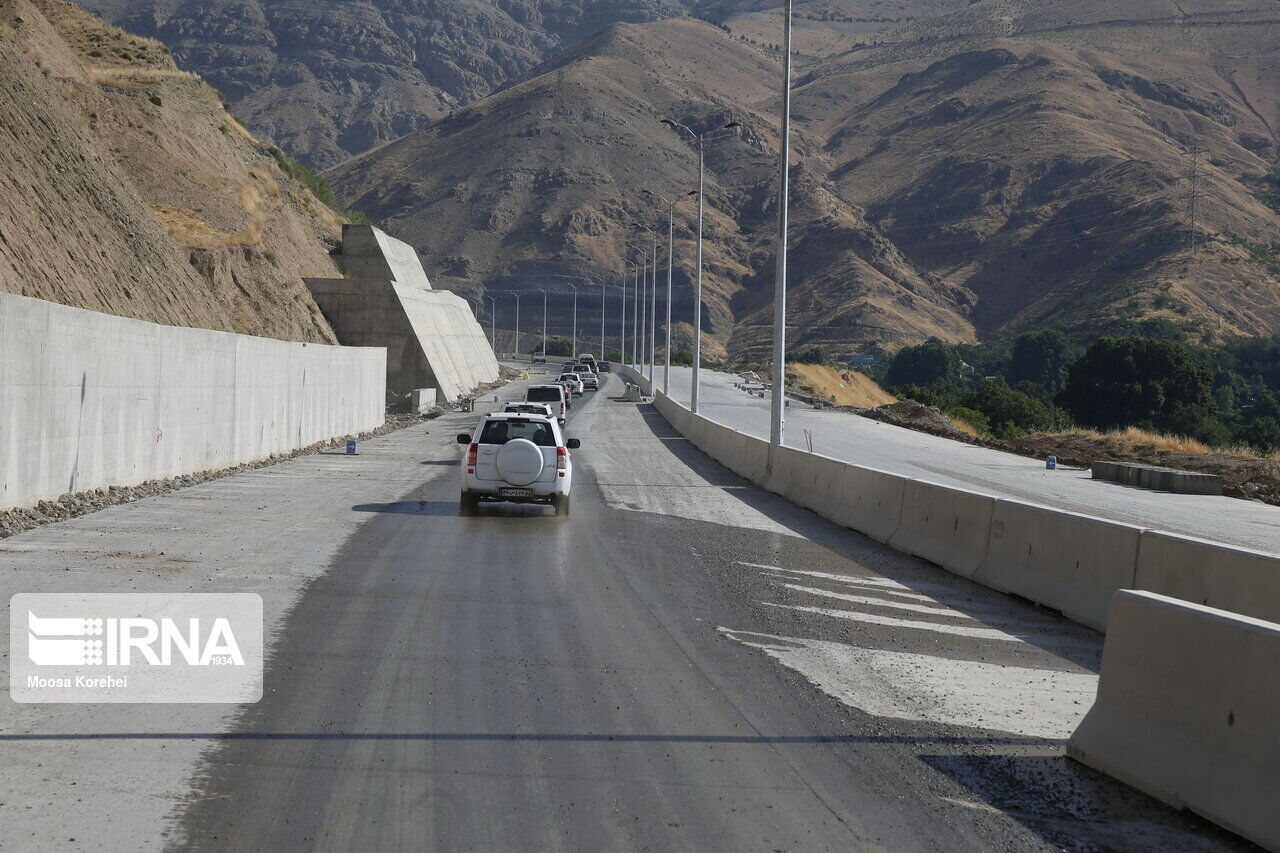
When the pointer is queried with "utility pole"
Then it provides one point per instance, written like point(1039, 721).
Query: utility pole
point(777, 424)
point(603, 288)
point(1192, 178)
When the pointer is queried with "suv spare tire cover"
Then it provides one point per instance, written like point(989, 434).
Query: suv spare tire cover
point(520, 461)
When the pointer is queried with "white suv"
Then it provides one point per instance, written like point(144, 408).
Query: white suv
point(573, 382)
point(518, 458)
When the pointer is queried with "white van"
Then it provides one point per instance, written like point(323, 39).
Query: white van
point(554, 396)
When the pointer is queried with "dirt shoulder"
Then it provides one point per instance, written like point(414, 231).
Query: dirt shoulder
point(1242, 476)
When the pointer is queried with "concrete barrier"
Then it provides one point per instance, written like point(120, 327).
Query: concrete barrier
point(1210, 573)
point(946, 526)
point(870, 501)
point(91, 400)
point(1187, 711)
point(785, 475)
point(1073, 563)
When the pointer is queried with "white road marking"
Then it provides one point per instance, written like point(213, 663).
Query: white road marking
point(1019, 700)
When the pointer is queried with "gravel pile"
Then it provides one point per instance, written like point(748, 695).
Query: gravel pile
point(917, 416)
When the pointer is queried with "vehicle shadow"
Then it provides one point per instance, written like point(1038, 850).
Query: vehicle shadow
point(411, 507)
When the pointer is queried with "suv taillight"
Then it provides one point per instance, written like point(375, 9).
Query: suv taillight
point(562, 458)
point(471, 456)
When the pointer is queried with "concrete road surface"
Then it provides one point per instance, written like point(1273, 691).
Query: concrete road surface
point(928, 457)
point(686, 662)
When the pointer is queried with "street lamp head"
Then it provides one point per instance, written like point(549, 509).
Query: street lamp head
point(731, 125)
point(691, 192)
point(669, 122)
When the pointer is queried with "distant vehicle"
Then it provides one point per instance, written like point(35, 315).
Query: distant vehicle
point(541, 409)
point(574, 382)
point(556, 397)
point(590, 381)
point(588, 358)
point(606, 367)
point(539, 359)
point(517, 458)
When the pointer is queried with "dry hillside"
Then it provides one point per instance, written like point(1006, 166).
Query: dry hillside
point(1009, 166)
point(131, 190)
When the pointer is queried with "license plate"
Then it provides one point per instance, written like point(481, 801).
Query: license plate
point(515, 493)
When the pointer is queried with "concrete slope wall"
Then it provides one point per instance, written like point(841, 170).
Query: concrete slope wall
point(458, 355)
point(1070, 562)
point(90, 400)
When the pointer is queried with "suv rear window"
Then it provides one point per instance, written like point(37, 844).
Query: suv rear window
point(500, 432)
point(544, 395)
point(581, 368)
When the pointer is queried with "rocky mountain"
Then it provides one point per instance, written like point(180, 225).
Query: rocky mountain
point(1013, 165)
point(331, 78)
point(129, 188)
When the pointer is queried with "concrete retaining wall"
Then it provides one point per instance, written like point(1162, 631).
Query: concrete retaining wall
point(89, 400)
point(385, 300)
point(1186, 711)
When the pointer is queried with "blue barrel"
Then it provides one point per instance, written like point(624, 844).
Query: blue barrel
point(351, 448)
point(1051, 463)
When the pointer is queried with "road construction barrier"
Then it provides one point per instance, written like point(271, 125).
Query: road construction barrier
point(870, 501)
point(1064, 560)
point(944, 525)
point(1073, 563)
point(1210, 573)
point(783, 470)
point(1186, 711)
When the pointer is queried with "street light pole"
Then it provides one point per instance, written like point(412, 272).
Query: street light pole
point(517, 296)
point(697, 298)
point(603, 288)
point(544, 321)
point(777, 423)
point(575, 320)
point(493, 321)
point(635, 309)
point(671, 214)
point(622, 323)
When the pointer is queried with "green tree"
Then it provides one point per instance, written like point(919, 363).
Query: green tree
point(555, 346)
point(1041, 357)
point(682, 356)
point(1262, 434)
point(924, 364)
point(812, 355)
point(1122, 382)
point(1004, 406)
